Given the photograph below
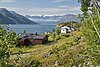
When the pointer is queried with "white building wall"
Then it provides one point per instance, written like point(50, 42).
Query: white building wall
point(63, 30)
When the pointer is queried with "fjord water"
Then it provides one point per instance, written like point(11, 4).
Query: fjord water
point(43, 26)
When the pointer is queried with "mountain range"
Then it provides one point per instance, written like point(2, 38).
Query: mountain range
point(69, 18)
point(44, 18)
point(11, 17)
point(59, 19)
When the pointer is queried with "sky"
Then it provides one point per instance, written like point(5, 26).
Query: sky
point(42, 7)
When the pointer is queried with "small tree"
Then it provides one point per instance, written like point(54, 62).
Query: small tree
point(91, 29)
point(7, 40)
point(57, 31)
point(53, 35)
point(53, 30)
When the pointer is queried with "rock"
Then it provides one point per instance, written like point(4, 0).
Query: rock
point(46, 64)
point(47, 54)
point(57, 63)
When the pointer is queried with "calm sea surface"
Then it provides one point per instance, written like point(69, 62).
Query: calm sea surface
point(39, 28)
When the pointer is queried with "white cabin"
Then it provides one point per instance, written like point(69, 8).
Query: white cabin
point(66, 29)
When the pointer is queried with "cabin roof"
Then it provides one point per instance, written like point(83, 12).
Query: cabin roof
point(65, 27)
point(31, 36)
point(39, 37)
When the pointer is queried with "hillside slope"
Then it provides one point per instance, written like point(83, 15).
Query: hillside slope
point(42, 52)
point(10, 17)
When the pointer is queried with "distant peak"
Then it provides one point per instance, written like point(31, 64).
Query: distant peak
point(3, 9)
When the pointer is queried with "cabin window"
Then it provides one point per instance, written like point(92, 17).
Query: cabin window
point(20, 38)
point(27, 42)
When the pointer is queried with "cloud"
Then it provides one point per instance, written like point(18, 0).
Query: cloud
point(55, 1)
point(7, 0)
point(61, 10)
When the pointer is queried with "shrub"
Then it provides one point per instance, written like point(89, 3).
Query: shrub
point(7, 41)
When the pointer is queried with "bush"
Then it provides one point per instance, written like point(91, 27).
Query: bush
point(7, 41)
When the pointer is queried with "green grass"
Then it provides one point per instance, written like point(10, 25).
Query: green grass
point(37, 52)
